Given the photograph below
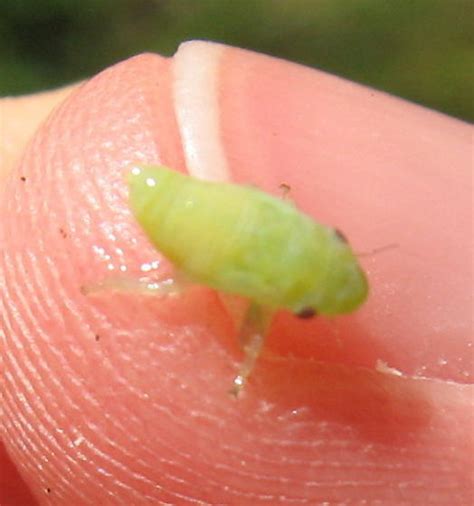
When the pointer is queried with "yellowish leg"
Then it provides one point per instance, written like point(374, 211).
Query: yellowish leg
point(252, 336)
point(141, 286)
point(252, 333)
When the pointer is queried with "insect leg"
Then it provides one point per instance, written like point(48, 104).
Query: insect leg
point(285, 189)
point(252, 336)
point(141, 286)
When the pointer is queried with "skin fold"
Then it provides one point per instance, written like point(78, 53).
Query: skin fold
point(121, 398)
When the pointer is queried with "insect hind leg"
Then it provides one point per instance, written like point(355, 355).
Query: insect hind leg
point(141, 286)
point(252, 336)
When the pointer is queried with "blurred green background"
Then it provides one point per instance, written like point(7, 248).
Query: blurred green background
point(418, 49)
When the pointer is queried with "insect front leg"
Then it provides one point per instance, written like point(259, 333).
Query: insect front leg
point(285, 189)
point(252, 336)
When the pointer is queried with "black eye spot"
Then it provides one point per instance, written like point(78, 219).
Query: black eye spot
point(340, 235)
point(306, 312)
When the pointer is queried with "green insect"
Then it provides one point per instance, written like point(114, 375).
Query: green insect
point(240, 240)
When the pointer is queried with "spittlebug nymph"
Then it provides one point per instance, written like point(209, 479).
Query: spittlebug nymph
point(240, 240)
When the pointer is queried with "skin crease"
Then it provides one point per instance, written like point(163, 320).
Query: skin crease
point(121, 399)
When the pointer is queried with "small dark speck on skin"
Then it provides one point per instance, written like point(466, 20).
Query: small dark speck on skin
point(63, 233)
point(48, 490)
point(23, 178)
point(97, 337)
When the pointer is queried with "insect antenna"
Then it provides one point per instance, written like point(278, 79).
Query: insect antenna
point(375, 251)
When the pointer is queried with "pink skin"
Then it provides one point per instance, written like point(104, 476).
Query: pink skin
point(122, 399)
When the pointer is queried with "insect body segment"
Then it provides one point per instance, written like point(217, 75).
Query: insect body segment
point(240, 240)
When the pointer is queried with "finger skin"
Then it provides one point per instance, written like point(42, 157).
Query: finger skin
point(13, 489)
point(19, 119)
point(121, 399)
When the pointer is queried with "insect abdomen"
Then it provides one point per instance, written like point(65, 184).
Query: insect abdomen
point(240, 240)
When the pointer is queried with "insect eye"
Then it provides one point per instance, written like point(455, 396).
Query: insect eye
point(340, 235)
point(306, 312)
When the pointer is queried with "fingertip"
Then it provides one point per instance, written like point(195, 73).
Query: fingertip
point(142, 413)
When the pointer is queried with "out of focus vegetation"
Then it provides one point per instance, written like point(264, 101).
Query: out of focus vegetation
point(417, 49)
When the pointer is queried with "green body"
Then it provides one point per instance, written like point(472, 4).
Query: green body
point(240, 240)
